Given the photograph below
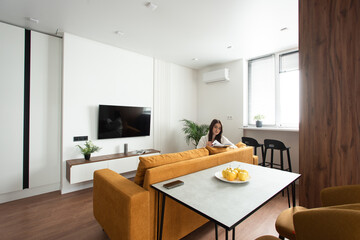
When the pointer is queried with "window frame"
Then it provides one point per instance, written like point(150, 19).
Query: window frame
point(277, 67)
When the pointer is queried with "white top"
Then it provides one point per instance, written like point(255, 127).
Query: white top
point(204, 139)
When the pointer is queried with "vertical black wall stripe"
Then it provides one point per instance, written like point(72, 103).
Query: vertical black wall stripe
point(26, 109)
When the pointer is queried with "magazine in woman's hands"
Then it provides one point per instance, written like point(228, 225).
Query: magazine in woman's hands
point(217, 144)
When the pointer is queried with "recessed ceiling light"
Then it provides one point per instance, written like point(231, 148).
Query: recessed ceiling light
point(151, 6)
point(195, 59)
point(33, 20)
point(284, 29)
point(120, 33)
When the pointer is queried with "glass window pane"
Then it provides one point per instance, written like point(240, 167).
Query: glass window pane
point(289, 62)
point(262, 89)
point(289, 99)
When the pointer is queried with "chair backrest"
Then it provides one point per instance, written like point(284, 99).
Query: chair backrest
point(250, 141)
point(340, 195)
point(327, 224)
point(274, 144)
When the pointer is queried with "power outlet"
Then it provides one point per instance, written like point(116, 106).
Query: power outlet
point(229, 117)
point(80, 138)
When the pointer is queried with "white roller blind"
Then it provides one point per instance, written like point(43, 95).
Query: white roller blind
point(262, 89)
point(289, 89)
point(289, 62)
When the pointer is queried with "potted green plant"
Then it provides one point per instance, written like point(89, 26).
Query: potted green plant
point(88, 149)
point(258, 119)
point(193, 131)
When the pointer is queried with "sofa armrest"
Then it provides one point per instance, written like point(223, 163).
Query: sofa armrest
point(255, 160)
point(120, 206)
point(340, 195)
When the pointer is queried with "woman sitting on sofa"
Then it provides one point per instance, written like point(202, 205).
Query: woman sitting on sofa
point(215, 133)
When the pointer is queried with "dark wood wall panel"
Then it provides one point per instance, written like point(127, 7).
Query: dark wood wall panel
point(329, 47)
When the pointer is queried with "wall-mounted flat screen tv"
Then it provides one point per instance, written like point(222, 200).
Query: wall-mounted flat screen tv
point(123, 121)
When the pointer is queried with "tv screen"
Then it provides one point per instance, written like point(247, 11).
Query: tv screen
point(123, 121)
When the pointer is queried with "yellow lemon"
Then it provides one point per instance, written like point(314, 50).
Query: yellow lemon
point(231, 176)
point(224, 173)
point(243, 175)
point(245, 171)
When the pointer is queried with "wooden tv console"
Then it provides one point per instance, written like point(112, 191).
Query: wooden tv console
point(81, 170)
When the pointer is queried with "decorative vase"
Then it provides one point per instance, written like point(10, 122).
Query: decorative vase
point(87, 156)
point(258, 123)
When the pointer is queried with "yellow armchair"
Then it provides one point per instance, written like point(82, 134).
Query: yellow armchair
point(340, 195)
point(325, 224)
point(347, 196)
point(284, 224)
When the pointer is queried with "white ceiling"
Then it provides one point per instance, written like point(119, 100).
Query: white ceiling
point(177, 31)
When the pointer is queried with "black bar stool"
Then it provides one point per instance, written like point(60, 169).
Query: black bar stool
point(278, 145)
point(252, 142)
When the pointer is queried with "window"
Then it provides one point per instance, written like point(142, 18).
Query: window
point(274, 89)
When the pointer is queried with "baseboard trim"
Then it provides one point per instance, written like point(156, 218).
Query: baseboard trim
point(29, 192)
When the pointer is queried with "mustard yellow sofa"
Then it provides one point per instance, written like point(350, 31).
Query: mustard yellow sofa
point(129, 210)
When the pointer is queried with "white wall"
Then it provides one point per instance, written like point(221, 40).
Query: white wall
point(96, 73)
point(93, 74)
point(183, 104)
point(222, 100)
point(175, 99)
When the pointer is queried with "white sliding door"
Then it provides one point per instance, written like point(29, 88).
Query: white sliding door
point(45, 110)
point(11, 107)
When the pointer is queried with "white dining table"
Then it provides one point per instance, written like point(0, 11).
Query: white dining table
point(225, 203)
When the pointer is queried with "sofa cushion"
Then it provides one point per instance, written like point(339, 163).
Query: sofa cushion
point(157, 160)
point(213, 150)
point(216, 150)
point(240, 144)
point(176, 169)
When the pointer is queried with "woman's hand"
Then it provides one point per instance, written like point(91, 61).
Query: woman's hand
point(209, 143)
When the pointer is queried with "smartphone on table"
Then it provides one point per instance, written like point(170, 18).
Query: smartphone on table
point(173, 184)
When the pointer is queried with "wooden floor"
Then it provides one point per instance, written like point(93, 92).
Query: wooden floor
point(69, 216)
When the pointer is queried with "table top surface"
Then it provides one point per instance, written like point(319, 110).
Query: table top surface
point(226, 203)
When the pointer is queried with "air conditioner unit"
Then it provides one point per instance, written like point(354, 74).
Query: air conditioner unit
point(216, 76)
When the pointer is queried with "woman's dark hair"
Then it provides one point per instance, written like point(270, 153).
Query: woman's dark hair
point(212, 124)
